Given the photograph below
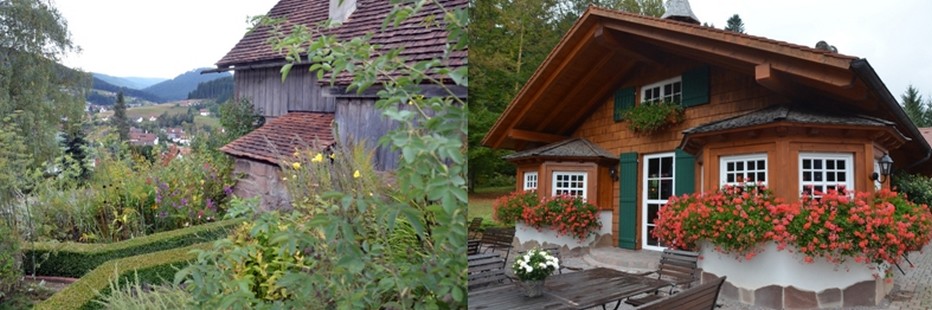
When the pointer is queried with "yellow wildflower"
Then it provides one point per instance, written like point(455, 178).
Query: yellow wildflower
point(333, 156)
point(356, 174)
point(318, 158)
point(296, 165)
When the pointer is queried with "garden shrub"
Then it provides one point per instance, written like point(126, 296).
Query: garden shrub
point(68, 259)
point(10, 272)
point(508, 209)
point(139, 295)
point(156, 267)
point(916, 187)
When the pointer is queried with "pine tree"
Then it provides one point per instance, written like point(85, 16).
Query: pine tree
point(915, 108)
point(120, 122)
point(735, 24)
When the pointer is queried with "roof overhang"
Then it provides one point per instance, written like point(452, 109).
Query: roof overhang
point(604, 48)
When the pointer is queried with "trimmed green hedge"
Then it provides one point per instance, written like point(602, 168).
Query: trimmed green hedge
point(69, 259)
point(151, 268)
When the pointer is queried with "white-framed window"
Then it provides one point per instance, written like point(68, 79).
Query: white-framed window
point(667, 90)
point(743, 169)
point(569, 183)
point(530, 180)
point(820, 172)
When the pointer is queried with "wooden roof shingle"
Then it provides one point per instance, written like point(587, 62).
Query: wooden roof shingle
point(423, 36)
point(283, 135)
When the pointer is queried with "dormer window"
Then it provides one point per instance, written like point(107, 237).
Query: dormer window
point(667, 90)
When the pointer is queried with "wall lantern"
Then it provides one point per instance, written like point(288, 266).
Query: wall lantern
point(613, 172)
point(886, 164)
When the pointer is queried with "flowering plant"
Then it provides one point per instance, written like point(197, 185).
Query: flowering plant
point(735, 219)
point(536, 265)
point(870, 227)
point(508, 209)
point(874, 227)
point(567, 215)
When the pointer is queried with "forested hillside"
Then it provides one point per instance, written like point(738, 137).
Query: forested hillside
point(219, 90)
point(179, 87)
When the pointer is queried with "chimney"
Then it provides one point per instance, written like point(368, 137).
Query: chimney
point(678, 10)
point(340, 10)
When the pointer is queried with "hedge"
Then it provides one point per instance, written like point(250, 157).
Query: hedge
point(151, 268)
point(69, 259)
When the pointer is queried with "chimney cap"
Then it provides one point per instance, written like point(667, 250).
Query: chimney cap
point(679, 10)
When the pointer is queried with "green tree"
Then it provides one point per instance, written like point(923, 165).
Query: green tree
point(735, 24)
point(120, 121)
point(510, 39)
point(238, 117)
point(34, 37)
point(915, 108)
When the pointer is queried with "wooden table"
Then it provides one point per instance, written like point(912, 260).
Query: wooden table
point(575, 290)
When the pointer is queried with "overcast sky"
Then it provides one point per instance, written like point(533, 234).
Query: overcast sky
point(155, 38)
point(892, 35)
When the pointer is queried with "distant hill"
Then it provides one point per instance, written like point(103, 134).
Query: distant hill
point(219, 90)
point(179, 87)
point(104, 93)
point(129, 82)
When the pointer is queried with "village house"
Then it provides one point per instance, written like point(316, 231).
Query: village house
point(302, 111)
point(140, 137)
point(797, 119)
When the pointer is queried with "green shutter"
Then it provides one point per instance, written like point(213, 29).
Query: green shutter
point(696, 86)
point(685, 173)
point(628, 202)
point(624, 100)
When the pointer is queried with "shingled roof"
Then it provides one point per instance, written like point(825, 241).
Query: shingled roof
point(572, 148)
point(423, 36)
point(788, 114)
point(283, 135)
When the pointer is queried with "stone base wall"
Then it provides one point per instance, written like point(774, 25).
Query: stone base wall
point(262, 180)
point(862, 294)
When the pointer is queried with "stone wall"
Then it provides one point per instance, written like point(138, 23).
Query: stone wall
point(263, 180)
point(862, 294)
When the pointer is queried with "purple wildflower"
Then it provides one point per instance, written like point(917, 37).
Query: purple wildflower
point(210, 204)
point(184, 201)
point(163, 214)
point(227, 190)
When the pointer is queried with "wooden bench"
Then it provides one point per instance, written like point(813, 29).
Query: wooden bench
point(499, 239)
point(680, 268)
point(702, 297)
point(473, 230)
point(472, 247)
point(485, 270)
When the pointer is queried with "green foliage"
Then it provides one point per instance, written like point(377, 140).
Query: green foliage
point(346, 236)
point(735, 24)
point(137, 294)
point(916, 109)
point(649, 117)
point(70, 259)
point(239, 117)
point(10, 260)
point(35, 36)
point(508, 209)
point(14, 157)
point(152, 268)
point(916, 187)
point(219, 90)
point(120, 120)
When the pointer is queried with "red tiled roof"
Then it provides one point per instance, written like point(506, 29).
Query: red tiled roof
point(283, 135)
point(420, 42)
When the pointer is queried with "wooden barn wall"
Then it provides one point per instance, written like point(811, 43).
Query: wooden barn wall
point(272, 97)
point(357, 119)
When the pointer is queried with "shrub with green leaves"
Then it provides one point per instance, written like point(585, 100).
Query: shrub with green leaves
point(10, 272)
point(916, 187)
point(650, 117)
point(139, 295)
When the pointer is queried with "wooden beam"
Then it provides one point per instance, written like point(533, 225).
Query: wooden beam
point(591, 78)
point(593, 100)
point(538, 82)
point(533, 136)
point(752, 54)
point(611, 41)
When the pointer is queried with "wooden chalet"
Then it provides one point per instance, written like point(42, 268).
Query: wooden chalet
point(755, 109)
point(303, 109)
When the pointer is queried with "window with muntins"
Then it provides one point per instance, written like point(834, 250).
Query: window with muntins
point(666, 90)
point(530, 180)
point(821, 172)
point(569, 183)
point(743, 169)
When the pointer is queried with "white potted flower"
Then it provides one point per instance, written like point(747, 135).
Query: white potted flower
point(532, 269)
